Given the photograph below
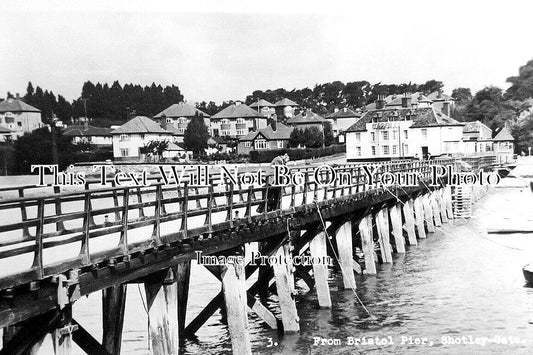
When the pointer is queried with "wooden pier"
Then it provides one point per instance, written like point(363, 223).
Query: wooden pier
point(149, 235)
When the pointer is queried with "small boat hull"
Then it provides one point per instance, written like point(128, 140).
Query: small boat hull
point(528, 273)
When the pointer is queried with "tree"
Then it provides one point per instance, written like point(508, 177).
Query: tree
point(297, 138)
point(329, 139)
point(522, 85)
point(313, 137)
point(196, 135)
point(462, 96)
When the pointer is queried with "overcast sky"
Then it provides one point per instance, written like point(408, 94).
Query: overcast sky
point(221, 50)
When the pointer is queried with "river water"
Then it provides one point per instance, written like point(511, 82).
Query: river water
point(459, 282)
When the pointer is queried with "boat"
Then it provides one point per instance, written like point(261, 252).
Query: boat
point(528, 273)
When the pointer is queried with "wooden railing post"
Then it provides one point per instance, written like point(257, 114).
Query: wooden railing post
point(156, 235)
point(38, 253)
point(84, 251)
point(125, 212)
point(229, 203)
point(185, 209)
point(23, 214)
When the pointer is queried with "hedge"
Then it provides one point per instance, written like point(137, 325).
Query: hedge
point(296, 154)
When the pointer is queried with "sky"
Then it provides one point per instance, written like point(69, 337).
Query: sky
point(224, 50)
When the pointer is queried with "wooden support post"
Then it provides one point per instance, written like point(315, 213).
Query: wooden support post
point(448, 201)
point(113, 305)
point(62, 336)
point(382, 221)
point(233, 298)
point(436, 209)
point(409, 222)
point(289, 315)
point(396, 220)
point(318, 249)
point(428, 213)
point(442, 205)
point(365, 230)
point(419, 217)
point(162, 301)
point(183, 276)
point(345, 248)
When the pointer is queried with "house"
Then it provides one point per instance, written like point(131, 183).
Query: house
point(285, 108)
point(477, 138)
point(409, 100)
point(442, 102)
point(264, 107)
point(403, 132)
point(307, 119)
point(504, 145)
point(133, 135)
point(218, 145)
point(19, 117)
point(177, 151)
point(273, 137)
point(341, 120)
point(6, 134)
point(89, 134)
point(176, 118)
point(236, 121)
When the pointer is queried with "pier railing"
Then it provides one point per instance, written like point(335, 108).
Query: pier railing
point(167, 212)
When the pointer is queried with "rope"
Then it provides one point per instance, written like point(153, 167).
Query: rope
point(142, 298)
point(338, 260)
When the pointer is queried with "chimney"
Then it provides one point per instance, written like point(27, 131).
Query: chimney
point(439, 93)
point(17, 96)
point(380, 103)
point(274, 125)
point(238, 102)
point(446, 108)
point(406, 101)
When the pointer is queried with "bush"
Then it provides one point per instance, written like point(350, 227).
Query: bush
point(295, 154)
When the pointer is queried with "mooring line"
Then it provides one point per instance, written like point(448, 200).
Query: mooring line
point(142, 299)
point(328, 237)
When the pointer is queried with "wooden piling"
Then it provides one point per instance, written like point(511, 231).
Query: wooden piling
point(428, 213)
point(232, 276)
point(183, 275)
point(409, 222)
point(365, 230)
point(382, 221)
point(62, 336)
point(162, 304)
point(436, 208)
point(289, 315)
point(113, 306)
point(318, 249)
point(448, 201)
point(345, 248)
point(442, 205)
point(396, 220)
point(419, 217)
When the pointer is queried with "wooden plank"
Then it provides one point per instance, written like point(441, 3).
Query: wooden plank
point(289, 315)
point(318, 249)
point(428, 214)
point(113, 307)
point(232, 287)
point(87, 342)
point(419, 217)
point(448, 201)
point(409, 222)
point(396, 220)
point(365, 230)
point(382, 221)
point(442, 205)
point(436, 209)
point(345, 249)
point(162, 302)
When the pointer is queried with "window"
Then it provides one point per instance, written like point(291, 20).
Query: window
point(224, 121)
point(124, 152)
point(385, 150)
point(240, 121)
point(394, 149)
point(181, 130)
point(142, 136)
point(280, 144)
point(169, 120)
point(124, 137)
point(373, 150)
point(372, 137)
point(261, 144)
point(424, 133)
point(225, 132)
point(358, 137)
point(247, 144)
point(358, 151)
point(10, 119)
point(405, 134)
point(385, 135)
point(405, 149)
point(241, 132)
point(215, 132)
point(19, 124)
point(393, 134)
point(183, 120)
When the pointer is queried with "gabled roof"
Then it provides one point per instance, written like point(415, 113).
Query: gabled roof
point(237, 111)
point(503, 135)
point(5, 129)
point(140, 124)
point(436, 96)
point(82, 131)
point(281, 132)
point(16, 105)
point(183, 109)
point(261, 103)
point(474, 127)
point(421, 117)
point(344, 113)
point(415, 98)
point(285, 102)
point(174, 147)
point(220, 140)
point(306, 117)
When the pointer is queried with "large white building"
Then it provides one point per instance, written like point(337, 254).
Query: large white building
point(18, 117)
point(392, 132)
point(236, 120)
point(132, 136)
point(176, 118)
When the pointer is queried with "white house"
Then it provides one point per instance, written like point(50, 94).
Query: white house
point(504, 146)
point(86, 133)
point(133, 135)
point(477, 138)
point(176, 118)
point(236, 120)
point(19, 117)
point(402, 132)
point(341, 120)
point(264, 107)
